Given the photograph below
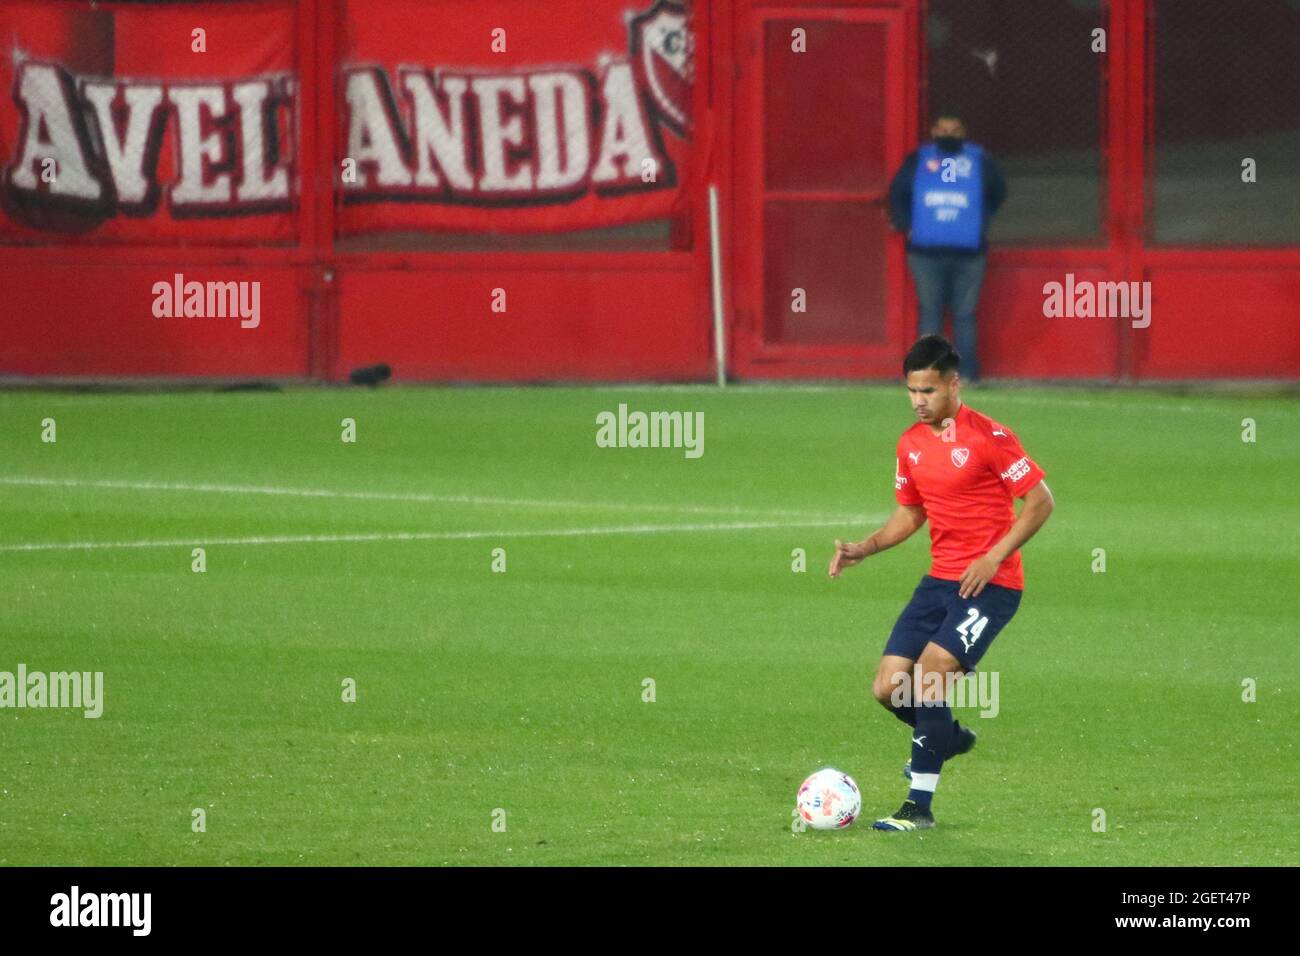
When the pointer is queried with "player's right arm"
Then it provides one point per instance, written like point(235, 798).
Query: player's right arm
point(901, 525)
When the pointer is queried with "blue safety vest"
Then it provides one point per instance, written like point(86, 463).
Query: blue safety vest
point(948, 213)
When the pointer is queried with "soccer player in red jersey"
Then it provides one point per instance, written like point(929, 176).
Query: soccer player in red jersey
point(960, 470)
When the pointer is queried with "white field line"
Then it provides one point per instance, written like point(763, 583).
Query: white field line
point(504, 535)
point(415, 497)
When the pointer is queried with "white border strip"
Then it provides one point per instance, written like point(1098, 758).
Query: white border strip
point(226, 489)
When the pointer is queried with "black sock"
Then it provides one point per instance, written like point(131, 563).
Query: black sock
point(933, 739)
point(906, 714)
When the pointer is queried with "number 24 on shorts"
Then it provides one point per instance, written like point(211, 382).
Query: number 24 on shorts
point(971, 628)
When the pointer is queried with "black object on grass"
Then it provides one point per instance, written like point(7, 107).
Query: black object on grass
point(370, 375)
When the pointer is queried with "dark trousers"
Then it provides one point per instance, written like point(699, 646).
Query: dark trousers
point(948, 279)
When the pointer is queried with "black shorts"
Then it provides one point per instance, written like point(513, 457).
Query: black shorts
point(964, 627)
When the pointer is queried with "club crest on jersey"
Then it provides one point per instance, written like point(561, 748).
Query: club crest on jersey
point(959, 456)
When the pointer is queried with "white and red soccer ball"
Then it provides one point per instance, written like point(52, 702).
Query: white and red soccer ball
point(829, 800)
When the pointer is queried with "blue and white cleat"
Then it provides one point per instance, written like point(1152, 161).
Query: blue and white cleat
point(909, 817)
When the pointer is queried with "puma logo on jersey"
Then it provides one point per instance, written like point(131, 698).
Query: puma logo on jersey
point(999, 431)
point(915, 456)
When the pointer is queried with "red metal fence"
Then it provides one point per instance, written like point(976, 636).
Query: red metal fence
point(499, 191)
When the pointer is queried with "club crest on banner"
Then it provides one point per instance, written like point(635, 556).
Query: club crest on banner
point(663, 47)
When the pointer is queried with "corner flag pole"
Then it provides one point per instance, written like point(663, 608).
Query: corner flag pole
point(715, 248)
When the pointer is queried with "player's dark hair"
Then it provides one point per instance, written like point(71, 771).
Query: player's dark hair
point(947, 112)
point(931, 351)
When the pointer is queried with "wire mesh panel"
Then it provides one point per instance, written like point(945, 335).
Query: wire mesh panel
point(1024, 78)
point(825, 127)
point(1225, 85)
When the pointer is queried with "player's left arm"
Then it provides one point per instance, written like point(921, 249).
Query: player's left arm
point(1033, 515)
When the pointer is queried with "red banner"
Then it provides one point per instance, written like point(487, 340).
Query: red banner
point(157, 124)
point(505, 116)
point(177, 122)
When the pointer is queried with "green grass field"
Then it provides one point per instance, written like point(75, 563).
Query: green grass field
point(522, 690)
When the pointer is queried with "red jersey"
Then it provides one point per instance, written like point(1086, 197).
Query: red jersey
point(965, 480)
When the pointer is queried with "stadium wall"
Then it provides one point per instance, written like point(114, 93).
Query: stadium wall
point(594, 281)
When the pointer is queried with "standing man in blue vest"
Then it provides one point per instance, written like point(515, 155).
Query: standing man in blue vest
point(942, 199)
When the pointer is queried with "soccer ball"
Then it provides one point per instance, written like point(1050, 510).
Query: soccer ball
point(829, 800)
